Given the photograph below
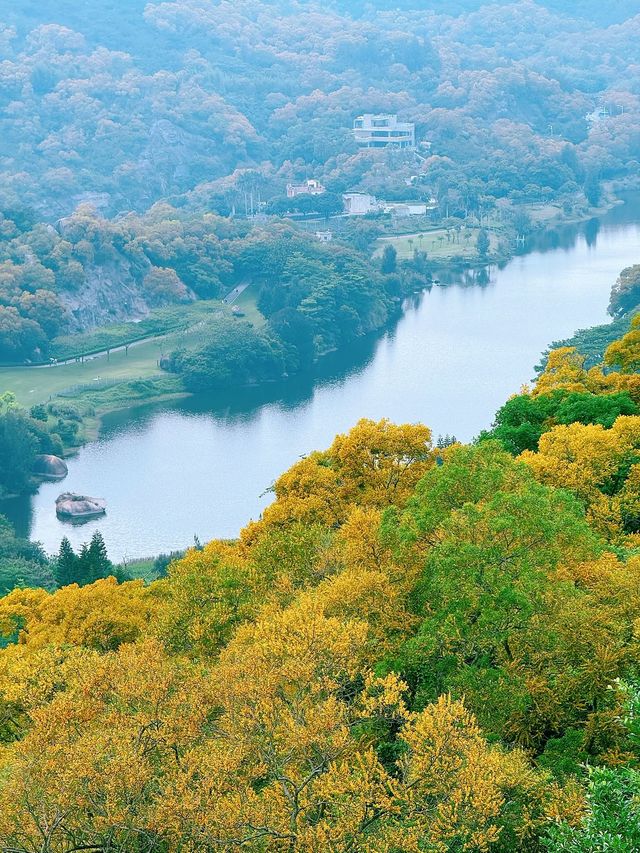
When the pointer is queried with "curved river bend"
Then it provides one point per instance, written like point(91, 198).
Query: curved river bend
point(200, 467)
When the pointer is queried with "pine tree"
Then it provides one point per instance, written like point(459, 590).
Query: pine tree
point(84, 570)
point(66, 565)
point(99, 564)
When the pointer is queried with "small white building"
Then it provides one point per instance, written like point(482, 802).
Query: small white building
point(324, 236)
point(359, 204)
point(406, 208)
point(310, 187)
point(373, 130)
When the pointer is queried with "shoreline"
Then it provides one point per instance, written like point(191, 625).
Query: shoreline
point(93, 420)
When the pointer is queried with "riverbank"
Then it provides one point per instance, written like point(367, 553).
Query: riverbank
point(201, 465)
point(129, 374)
point(123, 375)
point(454, 245)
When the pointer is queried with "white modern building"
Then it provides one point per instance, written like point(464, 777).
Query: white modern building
point(359, 204)
point(380, 131)
point(404, 209)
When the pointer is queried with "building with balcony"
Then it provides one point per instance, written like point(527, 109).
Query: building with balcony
point(381, 131)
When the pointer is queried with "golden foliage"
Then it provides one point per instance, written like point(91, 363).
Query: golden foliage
point(373, 465)
point(102, 615)
point(625, 353)
point(89, 764)
point(599, 465)
point(237, 702)
point(565, 370)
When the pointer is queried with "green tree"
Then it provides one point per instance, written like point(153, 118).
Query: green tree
point(94, 560)
point(483, 243)
point(592, 189)
point(18, 449)
point(496, 625)
point(296, 332)
point(612, 824)
point(389, 260)
point(522, 420)
point(67, 565)
point(22, 563)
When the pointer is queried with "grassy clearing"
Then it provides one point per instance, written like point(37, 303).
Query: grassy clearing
point(33, 385)
point(544, 213)
point(142, 569)
point(439, 244)
point(246, 302)
point(40, 384)
point(162, 321)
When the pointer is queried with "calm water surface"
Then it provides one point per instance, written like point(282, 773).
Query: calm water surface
point(201, 467)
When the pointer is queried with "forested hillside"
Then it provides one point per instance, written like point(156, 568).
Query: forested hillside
point(123, 104)
point(417, 648)
point(139, 143)
point(92, 271)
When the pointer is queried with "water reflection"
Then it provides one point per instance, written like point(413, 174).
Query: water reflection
point(241, 405)
point(591, 231)
point(200, 466)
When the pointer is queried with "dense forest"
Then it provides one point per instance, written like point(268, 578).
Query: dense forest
point(93, 271)
point(417, 648)
point(124, 107)
point(139, 145)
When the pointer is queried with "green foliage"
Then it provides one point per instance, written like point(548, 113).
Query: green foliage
point(18, 450)
point(389, 260)
point(91, 564)
point(487, 595)
point(296, 332)
point(483, 243)
point(39, 413)
point(469, 475)
point(162, 562)
point(66, 568)
point(161, 321)
point(625, 294)
point(523, 419)
point(591, 343)
point(565, 756)
point(22, 563)
point(232, 353)
point(612, 824)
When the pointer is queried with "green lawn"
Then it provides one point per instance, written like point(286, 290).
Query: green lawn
point(246, 302)
point(38, 384)
point(33, 385)
point(436, 244)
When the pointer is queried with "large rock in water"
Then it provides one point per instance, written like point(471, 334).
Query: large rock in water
point(78, 507)
point(50, 467)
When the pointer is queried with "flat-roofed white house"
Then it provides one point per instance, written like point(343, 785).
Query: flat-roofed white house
point(359, 204)
point(373, 130)
point(406, 208)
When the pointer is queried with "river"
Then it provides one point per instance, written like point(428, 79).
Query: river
point(202, 466)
